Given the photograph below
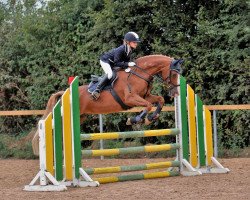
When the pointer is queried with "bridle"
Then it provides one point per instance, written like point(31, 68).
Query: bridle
point(167, 82)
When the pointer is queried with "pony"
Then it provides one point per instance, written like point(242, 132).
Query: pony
point(131, 88)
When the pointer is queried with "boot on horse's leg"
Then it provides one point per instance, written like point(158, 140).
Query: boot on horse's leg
point(96, 93)
point(154, 116)
point(137, 119)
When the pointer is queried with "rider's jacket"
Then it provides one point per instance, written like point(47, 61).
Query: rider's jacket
point(118, 57)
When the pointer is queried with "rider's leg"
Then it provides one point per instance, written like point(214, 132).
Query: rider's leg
point(108, 75)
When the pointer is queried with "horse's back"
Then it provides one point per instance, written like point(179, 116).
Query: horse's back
point(105, 104)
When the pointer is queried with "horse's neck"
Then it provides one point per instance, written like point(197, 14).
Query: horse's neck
point(156, 69)
point(156, 66)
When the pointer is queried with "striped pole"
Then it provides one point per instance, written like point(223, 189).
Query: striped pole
point(183, 118)
point(49, 144)
point(192, 127)
point(117, 169)
point(58, 138)
point(208, 135)
point(67, 135)
point(131, 134)
point(200, 131)
point(75, 126)
point(141, 176)
point(129, 150)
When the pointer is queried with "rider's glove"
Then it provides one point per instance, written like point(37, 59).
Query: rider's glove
point(131, 64)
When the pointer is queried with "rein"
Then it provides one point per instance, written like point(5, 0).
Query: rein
point(141, 77)
point(170, 85)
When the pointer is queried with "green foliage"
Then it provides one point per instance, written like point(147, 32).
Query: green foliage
point(41, 46)
point(239, 137)
point(9, 148)
point(4, 151)
point(112, 144)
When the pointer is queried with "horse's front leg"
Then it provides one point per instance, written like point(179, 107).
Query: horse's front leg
point(160, 102)
point(136, 100)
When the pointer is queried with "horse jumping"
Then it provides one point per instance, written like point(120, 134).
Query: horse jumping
point(133, 89)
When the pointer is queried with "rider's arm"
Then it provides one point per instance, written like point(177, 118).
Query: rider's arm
point(120, 57)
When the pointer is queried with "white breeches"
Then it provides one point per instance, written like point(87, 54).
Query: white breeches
point(107, 69)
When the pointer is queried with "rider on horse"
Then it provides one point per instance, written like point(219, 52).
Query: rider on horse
point(118, 57)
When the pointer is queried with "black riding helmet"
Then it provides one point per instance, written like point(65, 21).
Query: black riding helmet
point(131, 37)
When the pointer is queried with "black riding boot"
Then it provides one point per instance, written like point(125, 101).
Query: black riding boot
point(96, 93)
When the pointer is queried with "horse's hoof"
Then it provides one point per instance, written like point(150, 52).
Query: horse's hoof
point(128, 122)
point(147, 122)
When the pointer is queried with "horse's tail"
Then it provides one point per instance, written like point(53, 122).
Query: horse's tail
point(51, 103)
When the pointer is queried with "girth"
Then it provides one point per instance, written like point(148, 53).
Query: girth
point(118, 99)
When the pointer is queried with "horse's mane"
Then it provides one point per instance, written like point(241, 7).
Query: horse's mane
point(155, 55)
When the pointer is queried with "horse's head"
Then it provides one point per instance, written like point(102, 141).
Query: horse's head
point(169, 68)
point(170, 76)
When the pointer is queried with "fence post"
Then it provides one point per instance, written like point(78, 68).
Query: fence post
point(101, 131)
point(215, 134)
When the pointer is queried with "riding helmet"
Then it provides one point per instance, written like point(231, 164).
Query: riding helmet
point(131, 37)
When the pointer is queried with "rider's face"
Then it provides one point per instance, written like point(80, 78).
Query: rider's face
point(133, 44)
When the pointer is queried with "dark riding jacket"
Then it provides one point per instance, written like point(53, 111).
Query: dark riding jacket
point(118, 57)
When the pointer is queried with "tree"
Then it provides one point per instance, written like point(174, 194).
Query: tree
point(41, 46)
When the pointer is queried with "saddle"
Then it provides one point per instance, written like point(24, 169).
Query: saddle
point(110, 87)
point(95, 80)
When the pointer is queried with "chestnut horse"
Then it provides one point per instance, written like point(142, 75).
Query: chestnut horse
point(133, 89)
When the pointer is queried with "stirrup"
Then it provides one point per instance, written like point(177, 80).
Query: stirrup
point(95, 95)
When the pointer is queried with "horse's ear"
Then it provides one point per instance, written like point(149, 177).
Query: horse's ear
point(176, 65)
point(177, 61)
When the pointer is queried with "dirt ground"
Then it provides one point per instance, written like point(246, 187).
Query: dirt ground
point(15, 174)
